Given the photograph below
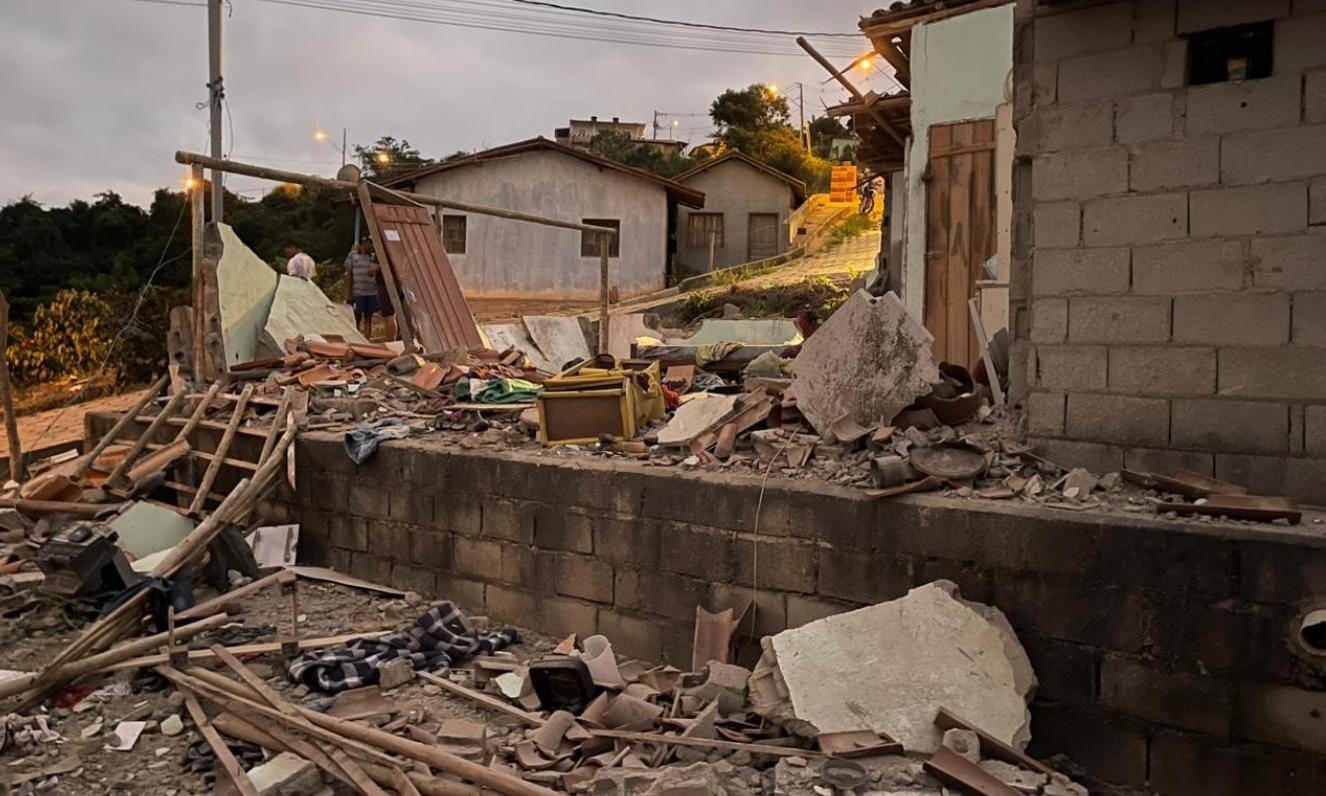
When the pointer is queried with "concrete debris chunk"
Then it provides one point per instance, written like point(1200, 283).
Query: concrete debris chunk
point(394, 673)
point(867, 363)
point(889, 667)
point(698, 779)
point(964, 742)
point(287, 774)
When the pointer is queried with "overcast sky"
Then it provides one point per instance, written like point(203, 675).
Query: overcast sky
point(98, 94)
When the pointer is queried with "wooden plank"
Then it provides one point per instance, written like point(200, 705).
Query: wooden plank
point(198, 411)
point(222, 448)
point(958, 275)
point(234, 595)
point(120, 425)
point(937, 254)
point(490, 702)
point(246, 649)
point(169, 409)
point(706, 743)
point(224, 758)
point(982, 237)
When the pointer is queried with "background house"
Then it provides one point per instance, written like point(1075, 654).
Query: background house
point(580, 133)
point(747, 205)
point(500, 258)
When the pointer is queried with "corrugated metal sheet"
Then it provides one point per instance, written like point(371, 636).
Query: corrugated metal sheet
point(432, 296)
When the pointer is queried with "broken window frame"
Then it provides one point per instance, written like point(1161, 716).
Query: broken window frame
point(1212, 52)
point(589, 241)
point(454, 238)
point(697, 235)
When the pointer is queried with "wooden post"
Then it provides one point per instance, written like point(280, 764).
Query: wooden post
point(7, 396)
point(222, 448)
point(713, 240)
point(603, 292)
point(130, 416)
point(198, 230)
point(403, 323)
point(157, 422)
point(851, 89)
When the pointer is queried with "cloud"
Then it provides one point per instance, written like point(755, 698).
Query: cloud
point(99, 94)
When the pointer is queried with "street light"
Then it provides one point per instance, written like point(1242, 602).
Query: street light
point(322, 136)
point(864, 63)
point(383, 157)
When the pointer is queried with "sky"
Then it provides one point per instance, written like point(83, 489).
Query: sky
point(99, 94)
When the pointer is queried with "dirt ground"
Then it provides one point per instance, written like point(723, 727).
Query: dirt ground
point(39, 628)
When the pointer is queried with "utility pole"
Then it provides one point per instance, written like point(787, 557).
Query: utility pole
point(345, 136)
point(216, 94)
point(801, 112)
point(655, 125)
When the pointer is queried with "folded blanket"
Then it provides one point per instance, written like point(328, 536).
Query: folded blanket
point(437, 639)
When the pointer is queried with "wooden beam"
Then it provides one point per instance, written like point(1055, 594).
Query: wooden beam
point(222, 448)
point(206, 607)
point(603, 293)
point(198, 411)
point(706, 743)
point(405, 322)
point(851, 89)
point(901, 66)
point(16, 467)
point(166, 411)
point(265, 173)
point(261, 648)
point(490, 702)
point(197, 236)
point(121, 424)
point(224, 758)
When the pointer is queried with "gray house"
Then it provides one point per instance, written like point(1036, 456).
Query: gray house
point(745, 214)
point(500, 258)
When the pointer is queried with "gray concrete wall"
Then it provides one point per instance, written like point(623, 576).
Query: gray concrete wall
point(1165, 650)
point(519, 259)
point(736, 190)
point(1169, 271)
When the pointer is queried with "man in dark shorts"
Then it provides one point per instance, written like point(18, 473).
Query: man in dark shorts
point(360, 270)
point(385, 308)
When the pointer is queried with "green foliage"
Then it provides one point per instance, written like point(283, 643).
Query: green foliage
point(622, 148)
point(387, 158)
point(753, 108)
point(754, 120)
point(69, 336)
point(853, 226)
point(823, 129)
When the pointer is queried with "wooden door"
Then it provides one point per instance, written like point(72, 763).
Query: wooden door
point(761, 236)
point(960, 233)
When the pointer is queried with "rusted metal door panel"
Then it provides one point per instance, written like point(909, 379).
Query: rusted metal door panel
point(428, 286)
point(762, 236)
point(960, 233)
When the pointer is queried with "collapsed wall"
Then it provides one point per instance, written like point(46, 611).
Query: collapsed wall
point(1168, 654)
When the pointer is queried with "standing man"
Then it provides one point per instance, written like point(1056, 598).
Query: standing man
point(298, 263)
point(385, 308)
point(361, 270)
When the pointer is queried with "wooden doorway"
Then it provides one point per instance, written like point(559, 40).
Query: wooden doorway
point(960, 233)
point(761, 236)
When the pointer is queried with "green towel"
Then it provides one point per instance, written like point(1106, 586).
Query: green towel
point(496, 391)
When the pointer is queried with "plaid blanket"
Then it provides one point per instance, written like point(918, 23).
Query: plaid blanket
point(435, 640)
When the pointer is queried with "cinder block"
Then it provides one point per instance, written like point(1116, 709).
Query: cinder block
point(1045, 413)
point(1317, 202)
point(1095, 456)
point(1174, 64)
point(1083, 125)
point(1113, 751)
point(1091, 30)
point(1167, 165)
point(1080, 175)
point(1287, 372)
point(1071, 367)
point(526, 567)
point(633, 636)
point(1249, 210)
point(368, 499)
point(466, 593)
point(1283, 715)
point(1314, 97)
point(627, 541)
point(1132, 70)
point(1049, 320)
point(1195, 765)
point(410, 504)
point(1298, 43)
point(1188, 267)
point(1154, 21)
point(1310, 319)
point(1065, 672)
point(464, 515)
point(560, 618)
point(351, 533)
point(1314, 430)
point(1118, 419)
point(782, 565)
point(1189, 701)
point(1234, 426)
point(1162, 370)
point(1297, 262)
point(804, 610)
point(557, 528)
point(414, 578)
point(770, 608)
point(1116, 619)
point(584, 576)
point(660, 593)
point(390, 539)
point(1232, 318)
point(1199, 15)
point(1057, 225)
point(1280, 573)
point(1244, 105)
point(370, 567)
point(512, 605)
point(1092, 272)
point(1045, 84)
point(477, 558)
point(431, 549)
point(507, 519)
point(1305, 480)
point(862, 579)
point(1273, 155)
point(1166, 461)
point(1145, 117)
point(1121, 319)
point(701, 552)
point(1123, 220)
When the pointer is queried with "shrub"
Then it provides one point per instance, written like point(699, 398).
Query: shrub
point(69, 336)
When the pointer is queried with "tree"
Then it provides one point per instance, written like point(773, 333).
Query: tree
point(753, 108)
point(387, 158)
point(754, 121)
point(623, 149)
point(823, 129)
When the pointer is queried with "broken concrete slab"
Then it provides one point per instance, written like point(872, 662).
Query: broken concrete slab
point(246, 287)
point(146, 528)
point(867, 363)
point(695, 417)
point(558, 338)
point(890, 667)
point(778, 332)
point(299, 307)
point(287, 774)
point(623, 330)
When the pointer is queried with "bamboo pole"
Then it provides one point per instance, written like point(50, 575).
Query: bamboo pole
point(222, 448)
point(198, 411)
point(198, 236)
point(224, 758)
point(603, 293)
point(277, 422)
point(120, 425)
point(265, 173)
point(169, 409)
point(16, 467)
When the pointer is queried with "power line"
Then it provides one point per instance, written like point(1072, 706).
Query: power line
point(658, 21)
point(557, 28)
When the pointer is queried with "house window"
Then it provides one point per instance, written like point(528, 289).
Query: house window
point(700, 227)
point(453, 234)
point(589, 241)
point(1243, 52)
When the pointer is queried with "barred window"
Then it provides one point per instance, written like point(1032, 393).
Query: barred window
point(453, 234)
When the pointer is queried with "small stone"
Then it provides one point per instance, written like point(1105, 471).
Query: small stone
point(395, 673)
point(963, 742)
point(92, 730)
point(432, 690)
point(173, 725)
point(798, 762)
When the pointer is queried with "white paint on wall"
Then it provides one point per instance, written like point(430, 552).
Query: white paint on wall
point(518, 259)
point(735, 189)
point(959, 68)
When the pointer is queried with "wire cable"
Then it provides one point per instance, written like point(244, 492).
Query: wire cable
point(658, 21)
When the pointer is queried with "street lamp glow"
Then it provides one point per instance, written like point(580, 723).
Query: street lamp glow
point(383, 157)
point(675, 123)
point(864, 63)
point(190, 183)
point(319, 135)
point(773, 88)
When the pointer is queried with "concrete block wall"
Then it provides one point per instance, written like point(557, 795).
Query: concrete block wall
point(1165, 651)
point(1169, 280)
